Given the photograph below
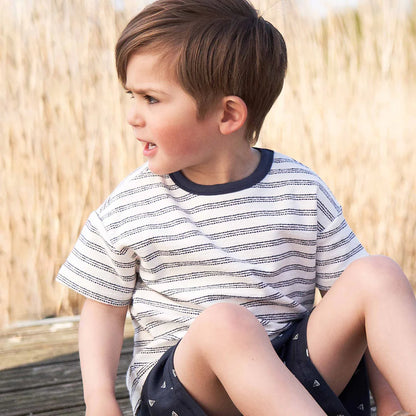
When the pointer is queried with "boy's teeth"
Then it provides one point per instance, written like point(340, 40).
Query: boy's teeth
point(151, 145)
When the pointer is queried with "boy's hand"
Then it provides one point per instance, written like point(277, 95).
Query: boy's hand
point(103, 407)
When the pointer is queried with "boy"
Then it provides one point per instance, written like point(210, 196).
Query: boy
point(217, 247)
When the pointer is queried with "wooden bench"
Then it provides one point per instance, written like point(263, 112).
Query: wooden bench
point(40, 373)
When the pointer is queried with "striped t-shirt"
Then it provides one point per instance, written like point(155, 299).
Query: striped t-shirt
point(170, 248)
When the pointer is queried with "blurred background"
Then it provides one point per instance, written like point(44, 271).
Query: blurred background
point(347, 111)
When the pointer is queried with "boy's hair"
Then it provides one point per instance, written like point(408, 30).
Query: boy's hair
point(216, 48)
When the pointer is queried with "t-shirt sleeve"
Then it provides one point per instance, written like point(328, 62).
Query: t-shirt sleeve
point(97, 269)
point(337, 245)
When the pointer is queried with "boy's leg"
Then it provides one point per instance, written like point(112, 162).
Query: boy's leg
point(227, 363)
point(371, 303)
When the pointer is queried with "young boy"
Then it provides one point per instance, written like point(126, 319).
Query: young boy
point(216, 247)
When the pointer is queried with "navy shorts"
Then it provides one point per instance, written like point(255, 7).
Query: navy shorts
point(164, 395)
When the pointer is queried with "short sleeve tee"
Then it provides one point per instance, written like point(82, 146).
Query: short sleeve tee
point(170, 248)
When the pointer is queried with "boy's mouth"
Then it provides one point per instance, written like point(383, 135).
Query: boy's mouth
point(149, 149)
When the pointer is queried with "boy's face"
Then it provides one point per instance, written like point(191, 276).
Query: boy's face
point(164, 120)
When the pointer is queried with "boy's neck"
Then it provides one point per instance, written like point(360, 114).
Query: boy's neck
point(230, 166)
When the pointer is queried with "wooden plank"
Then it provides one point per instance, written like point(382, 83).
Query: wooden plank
point(50, 398)
point(24, 348)
point(36, 341)
point(124, 404)
point(49, 373)
point(54, 386)
point(127, 347)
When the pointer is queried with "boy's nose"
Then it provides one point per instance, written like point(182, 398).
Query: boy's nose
point(134, 118)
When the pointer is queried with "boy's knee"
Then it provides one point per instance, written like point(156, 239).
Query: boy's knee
point(378, 274)
point(226, 320)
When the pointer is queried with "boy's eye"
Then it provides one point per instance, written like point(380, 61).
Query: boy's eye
point(150, 99)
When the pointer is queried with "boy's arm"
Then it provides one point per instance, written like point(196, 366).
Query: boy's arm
point(101, 333)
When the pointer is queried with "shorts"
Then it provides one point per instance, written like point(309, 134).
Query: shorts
point(164, 395)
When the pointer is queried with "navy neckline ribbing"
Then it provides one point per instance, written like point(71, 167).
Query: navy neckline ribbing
point(263, 168)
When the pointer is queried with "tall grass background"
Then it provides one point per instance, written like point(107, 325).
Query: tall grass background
point(348, 111)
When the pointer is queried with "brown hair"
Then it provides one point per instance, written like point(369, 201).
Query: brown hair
point(216, 48)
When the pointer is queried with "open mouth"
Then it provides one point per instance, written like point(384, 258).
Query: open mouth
point(149, 149)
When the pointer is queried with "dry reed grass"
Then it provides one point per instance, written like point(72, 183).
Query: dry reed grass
point(347, 111)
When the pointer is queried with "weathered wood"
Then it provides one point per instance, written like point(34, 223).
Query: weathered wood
point(52, 372)
point(53, 397)
point(41, 373)
point(125, 407)
point(33, 342)
point(54, 387)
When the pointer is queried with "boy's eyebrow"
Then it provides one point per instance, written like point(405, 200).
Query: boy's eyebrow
point(143, 91)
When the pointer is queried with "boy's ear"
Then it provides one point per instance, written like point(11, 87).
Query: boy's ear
point(234, 114)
